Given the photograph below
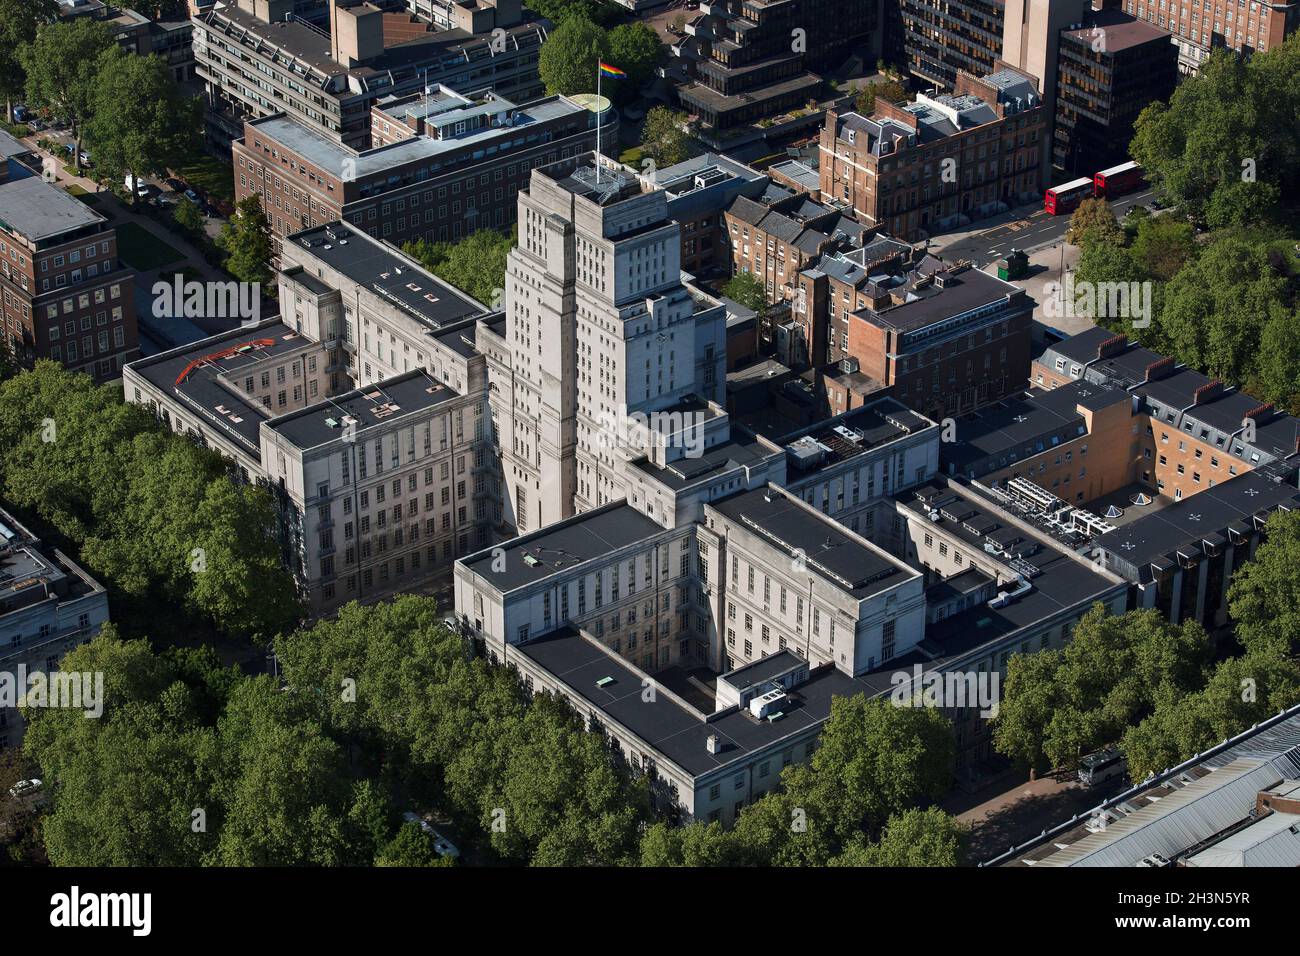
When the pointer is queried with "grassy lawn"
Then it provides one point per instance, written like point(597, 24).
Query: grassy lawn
point(75, 190)
point(632, 157)
point(142, 250)
point(211, 175)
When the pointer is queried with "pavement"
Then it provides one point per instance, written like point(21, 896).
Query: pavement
point(1012, 809)
point(120, 212)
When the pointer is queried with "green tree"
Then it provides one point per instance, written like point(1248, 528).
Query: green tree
point(663, 138)
point(1264, 595)
point(1163, 245)
point(1093, 221)
point(565, 802)
point(140, 123)
point(189, 217)
point(913, 837)
point(1214, 310)
point(635, 49)
point(19, 20)
point(697, 844)
point(411, 847)
point(282, 785)
point(153, 514)
point(476, 264)
point(559, 10)
point(1226, 143)
point(567, 63)
point(63, 65)
point(1242, 692)
point(1059, 705)
point(888, 91)
point(876, 759)
point(246, 240)
point(746, 289)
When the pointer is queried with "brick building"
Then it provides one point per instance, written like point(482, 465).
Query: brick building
point(776, 237)
point(450, 164)
point(914, 168)
point(263, 57)
point(1200, 26)
point(943, 338)
point(66, 296)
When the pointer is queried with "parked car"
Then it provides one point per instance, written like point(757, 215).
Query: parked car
point(195, 198)
point(20, 114)
point(138, 186)
point(441, 845)
point(35, 125)
point(25, 788)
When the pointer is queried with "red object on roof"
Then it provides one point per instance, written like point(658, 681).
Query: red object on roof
point(215, 356)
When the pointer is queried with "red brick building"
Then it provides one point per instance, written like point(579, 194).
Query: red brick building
point(65, 296)
point(915, 168)
point(448, 165)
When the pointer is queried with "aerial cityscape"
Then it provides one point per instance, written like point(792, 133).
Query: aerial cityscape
point(650, 433)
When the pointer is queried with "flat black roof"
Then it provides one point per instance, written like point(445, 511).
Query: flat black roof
point(1017, 423)
point(202, 390)
point(386, 271)
point(676, 732)
point(1187, 522)
point(326, 421)
point(536, 556)
point(741, 450)
point(825, 544)
point(763, 669)
point(963, 292)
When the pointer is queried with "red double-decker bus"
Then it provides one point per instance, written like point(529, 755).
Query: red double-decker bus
point(1118, 180)
point(1067, 196)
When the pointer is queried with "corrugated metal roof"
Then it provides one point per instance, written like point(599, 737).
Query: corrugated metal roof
point(1194, 813)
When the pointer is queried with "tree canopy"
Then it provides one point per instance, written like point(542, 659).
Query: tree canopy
point(246, 240)
point(855, 804)
point(663, 138)
point(63, 64)
point(476, 264)
point(1059, 705)
point(140, 123)
point(1226, 147)
point(567, 63)
point(155, 516)
point(747, 289)
point(18, 22)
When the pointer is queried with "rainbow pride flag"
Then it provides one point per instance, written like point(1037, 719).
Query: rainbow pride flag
point(615, 72)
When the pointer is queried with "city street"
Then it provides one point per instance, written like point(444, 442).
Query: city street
point(1027, 228)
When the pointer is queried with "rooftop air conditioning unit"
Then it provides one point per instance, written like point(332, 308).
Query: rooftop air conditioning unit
point(764, 705)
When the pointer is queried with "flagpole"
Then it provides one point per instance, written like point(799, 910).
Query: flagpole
point(598, 114)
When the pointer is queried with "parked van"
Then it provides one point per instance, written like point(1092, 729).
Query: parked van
point(1097, 768)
